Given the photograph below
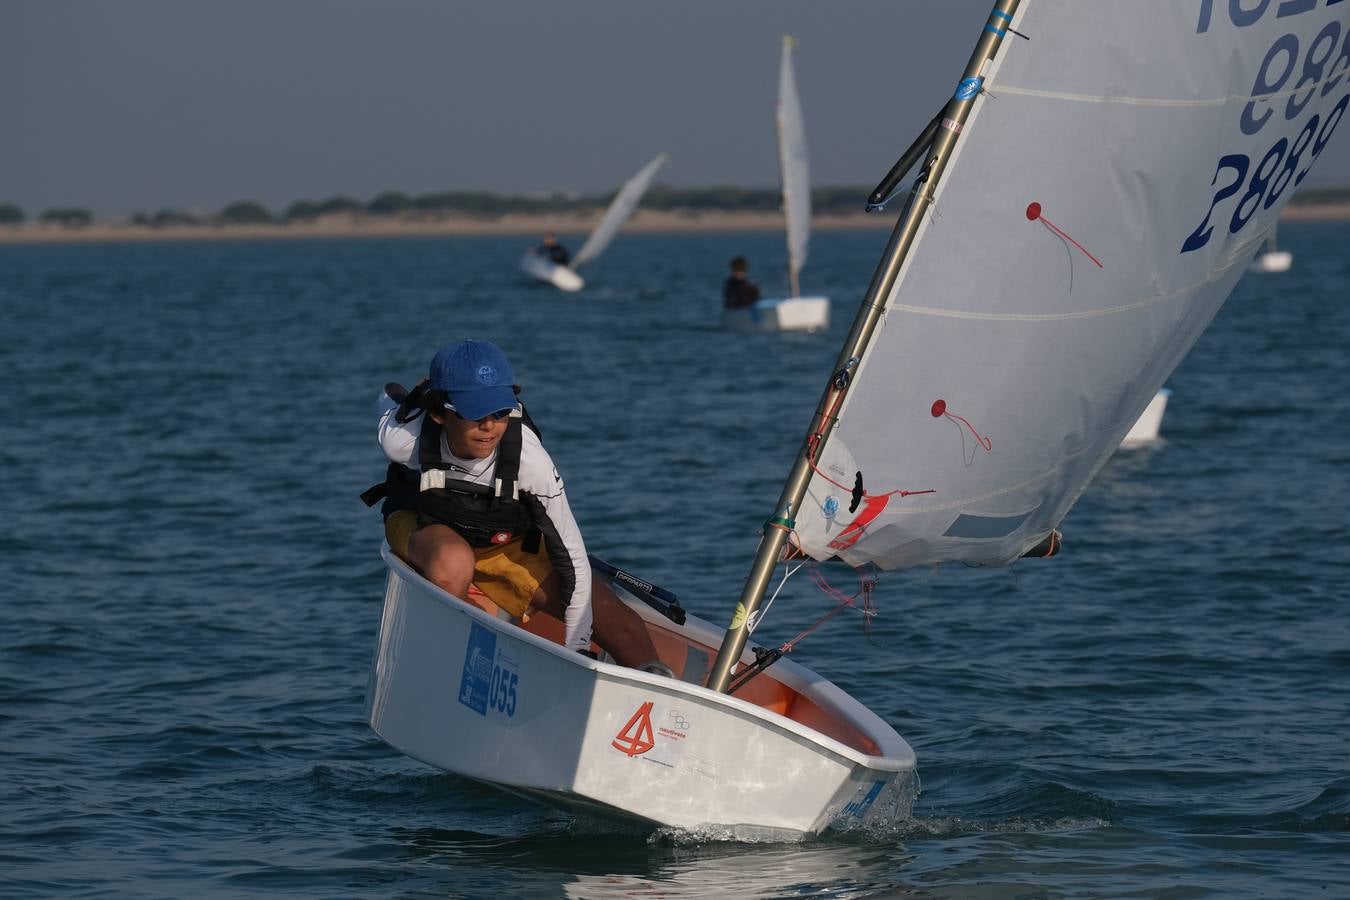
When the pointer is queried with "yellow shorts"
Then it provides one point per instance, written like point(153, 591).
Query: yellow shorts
point(505, 573)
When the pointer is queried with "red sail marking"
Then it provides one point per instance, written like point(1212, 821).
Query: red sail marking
point(636, 737)
point(940, 409)
point(849, 536)
point(1034, 213)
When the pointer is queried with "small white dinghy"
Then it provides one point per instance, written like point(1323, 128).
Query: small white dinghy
point(1144, 432)
point(564, 278)
point(793, 313)
point(1271, 259)
point(505, 704)
point(1272, 262)
point(620, 208)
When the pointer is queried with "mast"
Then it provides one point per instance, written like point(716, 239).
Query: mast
point(781, 523)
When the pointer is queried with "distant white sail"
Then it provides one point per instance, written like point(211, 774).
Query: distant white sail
point(793, 166)
point(1106, 193)
point(620, 208)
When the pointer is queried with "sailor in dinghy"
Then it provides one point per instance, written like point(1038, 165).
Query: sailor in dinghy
point(551, 250)
point(473, 498)
point(793, 312)
point(549, 262)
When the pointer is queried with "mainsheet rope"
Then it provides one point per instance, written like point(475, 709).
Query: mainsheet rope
point(866, 586)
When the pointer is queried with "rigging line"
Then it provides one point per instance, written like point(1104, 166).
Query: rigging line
point(810, 453)
point(840, 599)
point(880, 206)
point(845, 487)
point(764, 610)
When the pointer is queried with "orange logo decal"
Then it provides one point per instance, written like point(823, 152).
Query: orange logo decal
point(636, 737)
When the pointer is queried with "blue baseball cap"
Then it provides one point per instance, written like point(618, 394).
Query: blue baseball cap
point(476, 376)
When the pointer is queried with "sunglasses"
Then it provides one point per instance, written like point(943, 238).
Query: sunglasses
point(493, 416)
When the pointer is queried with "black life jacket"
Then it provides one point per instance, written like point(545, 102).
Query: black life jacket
point(484, 515)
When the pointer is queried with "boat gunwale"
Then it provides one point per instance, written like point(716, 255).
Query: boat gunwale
point(813, 685)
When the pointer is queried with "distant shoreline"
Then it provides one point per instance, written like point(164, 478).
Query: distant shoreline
point(459, 225)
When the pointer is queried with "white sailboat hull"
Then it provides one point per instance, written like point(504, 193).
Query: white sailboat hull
point(1272, 261)
point(790, 314)
point(546, 270)
point(471, 694)
point(1145, 429)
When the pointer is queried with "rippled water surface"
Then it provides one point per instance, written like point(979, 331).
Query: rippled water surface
point(192, 587)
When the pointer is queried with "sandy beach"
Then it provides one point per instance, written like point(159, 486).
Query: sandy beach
point(358, 226)
point(367, 226)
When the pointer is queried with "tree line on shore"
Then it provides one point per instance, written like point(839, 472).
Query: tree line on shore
point(483, 204)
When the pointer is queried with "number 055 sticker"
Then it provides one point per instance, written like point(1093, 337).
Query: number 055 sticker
point(490, 682)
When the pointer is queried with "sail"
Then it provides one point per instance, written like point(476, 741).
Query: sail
point(620, 208)
point(792, 165)
point(1115, 175)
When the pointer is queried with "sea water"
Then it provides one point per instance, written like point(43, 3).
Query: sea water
point(192, 588)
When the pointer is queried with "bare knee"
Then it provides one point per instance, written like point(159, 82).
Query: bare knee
point(444, 557)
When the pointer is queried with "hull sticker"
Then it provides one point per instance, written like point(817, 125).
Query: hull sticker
point(490, 682)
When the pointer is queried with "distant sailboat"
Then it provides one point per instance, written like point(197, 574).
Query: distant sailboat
point(795, 312)
point(1144, 431)
point(565, 277)
point(1271, 259)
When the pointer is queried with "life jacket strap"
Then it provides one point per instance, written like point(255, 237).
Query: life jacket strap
point(375, 493)
point(507, 472)
point(501, 487)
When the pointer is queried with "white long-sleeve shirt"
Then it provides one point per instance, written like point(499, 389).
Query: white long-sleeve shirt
point(539, 478)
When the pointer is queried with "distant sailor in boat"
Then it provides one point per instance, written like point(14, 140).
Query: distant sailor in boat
point(472, 497)
point(739, 291)
point(553, 251)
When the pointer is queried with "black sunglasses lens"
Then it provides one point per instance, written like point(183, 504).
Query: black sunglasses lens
point(495, 416)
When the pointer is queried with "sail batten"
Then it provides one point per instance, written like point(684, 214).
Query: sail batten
point(1151, 101)
point(1107, 188)
point(1182, 293)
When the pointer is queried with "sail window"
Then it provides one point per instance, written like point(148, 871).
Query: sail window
point(977, 527)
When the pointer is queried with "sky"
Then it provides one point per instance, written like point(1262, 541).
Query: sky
point(141, 105)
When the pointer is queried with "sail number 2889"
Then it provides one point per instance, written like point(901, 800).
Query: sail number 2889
point(1283, 166)
point(1305, 73)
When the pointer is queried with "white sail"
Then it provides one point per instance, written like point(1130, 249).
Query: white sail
point(620, 208)
point(793, 167)
point(1107, 191)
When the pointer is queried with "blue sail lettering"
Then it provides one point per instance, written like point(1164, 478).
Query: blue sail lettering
point(1242, 17)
